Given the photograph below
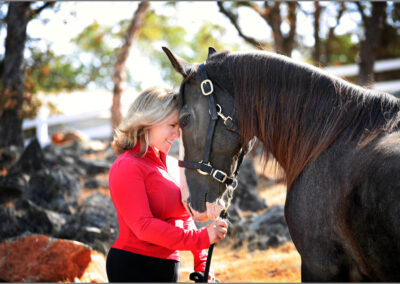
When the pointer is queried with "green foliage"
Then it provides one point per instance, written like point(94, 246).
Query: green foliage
point(95, 48)
point(158, 31)
point(49, 72)
point(343, 50)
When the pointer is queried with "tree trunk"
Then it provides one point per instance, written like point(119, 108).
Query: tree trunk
point(317, 45)
point(328, 54)
point(119, 75)
point(13, 75)
point(289, 40)
point(272, 15)
point(370, 46)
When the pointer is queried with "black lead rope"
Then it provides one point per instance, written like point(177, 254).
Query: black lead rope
point(223, 215)
point(198, 277)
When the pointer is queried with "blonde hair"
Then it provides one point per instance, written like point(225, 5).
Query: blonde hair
point(152, 106)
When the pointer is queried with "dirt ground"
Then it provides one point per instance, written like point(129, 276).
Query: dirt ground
point(272, 265)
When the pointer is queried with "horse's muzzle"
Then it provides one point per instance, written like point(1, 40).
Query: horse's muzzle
point(213, 211)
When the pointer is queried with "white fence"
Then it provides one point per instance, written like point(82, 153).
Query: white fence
point(97, 120)
point(380, 66)
point(43, 121)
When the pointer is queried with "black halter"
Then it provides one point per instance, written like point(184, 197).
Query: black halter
point(204, 167)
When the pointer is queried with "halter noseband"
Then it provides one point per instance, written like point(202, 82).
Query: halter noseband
point(204, 167)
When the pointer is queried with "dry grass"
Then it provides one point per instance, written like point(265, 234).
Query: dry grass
point(273, 265)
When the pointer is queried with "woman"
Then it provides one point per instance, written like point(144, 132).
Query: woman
point(153, 223)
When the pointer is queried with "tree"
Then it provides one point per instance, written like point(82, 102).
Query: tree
point(373, 28)
point(122, 55)
point(12, 93)
point(270, 12)
point(317, 19)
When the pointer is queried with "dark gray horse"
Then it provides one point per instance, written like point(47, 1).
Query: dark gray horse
point(338, 145)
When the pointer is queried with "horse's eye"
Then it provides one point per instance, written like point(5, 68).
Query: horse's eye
point(184, 120)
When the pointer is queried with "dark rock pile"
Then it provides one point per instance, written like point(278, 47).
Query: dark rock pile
point(259, 231)
point(41, 193)
point(252, 223)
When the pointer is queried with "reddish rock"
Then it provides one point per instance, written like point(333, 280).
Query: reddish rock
point(39, 258)
point(62, 138)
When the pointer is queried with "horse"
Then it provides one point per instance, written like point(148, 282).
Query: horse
point(338, 145)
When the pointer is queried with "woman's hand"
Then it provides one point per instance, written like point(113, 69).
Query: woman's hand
point(217, 231)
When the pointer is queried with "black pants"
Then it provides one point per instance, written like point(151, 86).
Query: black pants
point(125, 266)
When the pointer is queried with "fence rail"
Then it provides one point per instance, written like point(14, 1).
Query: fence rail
point(101, 127)
point(43, 121)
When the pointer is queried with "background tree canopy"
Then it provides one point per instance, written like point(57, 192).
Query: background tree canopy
point(322, 33)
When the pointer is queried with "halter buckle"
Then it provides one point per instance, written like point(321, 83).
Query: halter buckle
point(220, 179)
point(202, 172)
point(207, 81)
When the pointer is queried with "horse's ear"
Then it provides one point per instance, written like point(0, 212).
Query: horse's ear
point(211, 51)
point(179, 64)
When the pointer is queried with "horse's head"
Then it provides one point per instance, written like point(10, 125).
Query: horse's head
point(211, 151)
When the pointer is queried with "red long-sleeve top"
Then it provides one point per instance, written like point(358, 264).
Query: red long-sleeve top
point(151, 217)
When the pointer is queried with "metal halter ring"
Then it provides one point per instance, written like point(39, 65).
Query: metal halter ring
point(207, 81)
point(234, 184)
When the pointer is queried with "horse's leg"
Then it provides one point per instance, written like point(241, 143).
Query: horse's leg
point(335, 273)
point(311, 215)
point(307, 275)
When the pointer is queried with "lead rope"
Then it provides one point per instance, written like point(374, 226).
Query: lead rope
point(224, 214)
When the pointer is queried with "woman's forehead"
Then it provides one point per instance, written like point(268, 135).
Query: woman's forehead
point(173, 118)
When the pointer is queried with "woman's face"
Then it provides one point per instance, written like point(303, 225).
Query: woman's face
point(161, 136)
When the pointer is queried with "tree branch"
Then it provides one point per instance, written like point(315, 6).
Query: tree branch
point(234, 20)
point(33, 13)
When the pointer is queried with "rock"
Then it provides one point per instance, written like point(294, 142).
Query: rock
point(31, 160)
point(94, 167)
point(56, 157)
point(9, 156)
point(271, 222)
point(67, 137)
point(98, 222)
point(39, 220)
point(54, 189)
point(234, 215)
point(261, 231)
point(96, 183)
point(39, 258)
point(12, 186)
point(245, 195)
point(11, 224)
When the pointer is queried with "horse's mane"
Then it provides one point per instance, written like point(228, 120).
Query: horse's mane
point(297, 110)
